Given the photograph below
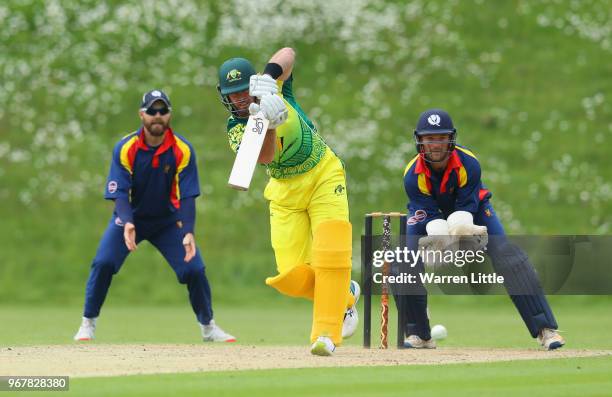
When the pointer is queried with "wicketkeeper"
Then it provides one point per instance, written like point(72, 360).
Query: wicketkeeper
point(153, 181)
point(309, 215)
point(447, 202)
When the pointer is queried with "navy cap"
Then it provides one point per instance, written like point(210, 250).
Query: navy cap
point(152, 96)
point(434, 121)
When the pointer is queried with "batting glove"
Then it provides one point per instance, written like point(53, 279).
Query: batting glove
point(274, 109)
point(260, 85)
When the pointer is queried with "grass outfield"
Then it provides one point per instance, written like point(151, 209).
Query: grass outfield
point(471, 321)
point(570, 377)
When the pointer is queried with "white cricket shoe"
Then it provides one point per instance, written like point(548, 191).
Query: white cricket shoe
point(550, 339)
point(87, 329)
point(415, 342)
point(213, 333)
point(323, 346)
point(351, 317)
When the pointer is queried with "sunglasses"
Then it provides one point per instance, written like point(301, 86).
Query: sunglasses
point(153, 111)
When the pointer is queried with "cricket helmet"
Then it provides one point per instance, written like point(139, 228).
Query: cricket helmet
point(435, 122)
point(234, 76)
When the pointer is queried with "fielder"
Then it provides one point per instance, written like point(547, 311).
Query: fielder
point(309, 215)
point(447, 199)
point(153, 181)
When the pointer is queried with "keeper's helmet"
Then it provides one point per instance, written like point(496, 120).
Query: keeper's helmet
point(434, 122)
point(234, 75)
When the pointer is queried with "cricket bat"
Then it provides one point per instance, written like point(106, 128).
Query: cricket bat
point(248, 152)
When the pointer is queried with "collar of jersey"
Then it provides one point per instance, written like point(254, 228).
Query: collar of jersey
point(454, 162)
point(168, 143)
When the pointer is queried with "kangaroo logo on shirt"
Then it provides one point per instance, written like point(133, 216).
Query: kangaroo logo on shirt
point(339, 189)
point(434, 119)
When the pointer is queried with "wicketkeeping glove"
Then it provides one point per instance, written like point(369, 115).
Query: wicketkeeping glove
point(460, 224)
point(474, 235)
point(435, 247)
point(260, 85)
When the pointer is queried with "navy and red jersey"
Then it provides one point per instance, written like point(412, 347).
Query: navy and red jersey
point(154, 179)
point(435, 195)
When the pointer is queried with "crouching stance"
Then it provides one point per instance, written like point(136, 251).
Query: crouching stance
point(153, 181)
point(448, 201)
point(309, 216)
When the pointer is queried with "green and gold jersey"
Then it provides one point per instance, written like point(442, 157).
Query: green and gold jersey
point(299, 147)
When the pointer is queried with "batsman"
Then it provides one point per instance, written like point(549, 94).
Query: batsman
point(448, 202)
point(309, 214)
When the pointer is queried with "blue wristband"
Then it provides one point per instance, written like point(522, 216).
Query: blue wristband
point(123, 209)
point(187, 214)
